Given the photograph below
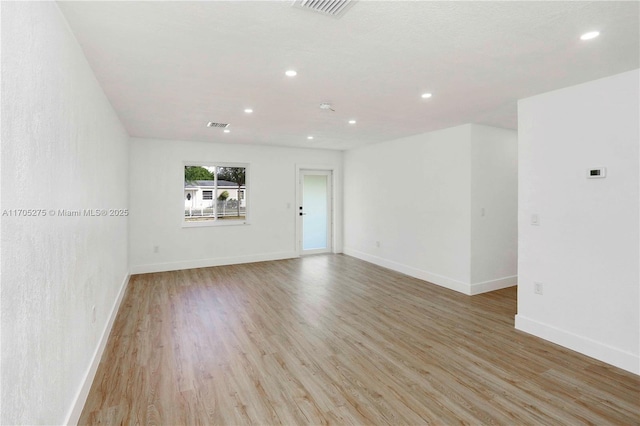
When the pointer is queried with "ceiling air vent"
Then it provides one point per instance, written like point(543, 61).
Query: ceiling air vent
point(335, 8)
point(219, 125)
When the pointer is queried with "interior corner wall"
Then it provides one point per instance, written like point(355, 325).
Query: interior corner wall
point(157, 205)
point(494, 208)
point(63, 148)
point(585, 250)
point(407, 206)
point(440, 206)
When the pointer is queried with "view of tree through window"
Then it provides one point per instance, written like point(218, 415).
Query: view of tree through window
point(215, 193)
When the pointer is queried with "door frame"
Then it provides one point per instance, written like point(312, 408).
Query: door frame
point(300, 169)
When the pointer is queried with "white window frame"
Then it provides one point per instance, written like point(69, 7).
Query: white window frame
point(214, 221)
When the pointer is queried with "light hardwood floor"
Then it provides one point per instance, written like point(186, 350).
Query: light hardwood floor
point(331, 339)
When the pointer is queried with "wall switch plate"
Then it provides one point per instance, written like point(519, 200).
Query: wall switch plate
point(535, 219)
point(537, 288)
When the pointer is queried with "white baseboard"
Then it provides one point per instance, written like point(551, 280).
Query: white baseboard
point(205, 263)
point(440, 280)
point(598, 350)
point(81, 397)
point(493, 285)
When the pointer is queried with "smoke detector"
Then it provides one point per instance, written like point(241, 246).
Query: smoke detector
point(326, 106)
point(334, 8)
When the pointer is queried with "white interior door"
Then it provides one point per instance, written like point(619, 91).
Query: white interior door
point(314, 211)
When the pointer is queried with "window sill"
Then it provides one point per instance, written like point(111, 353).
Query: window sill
point(207, 223)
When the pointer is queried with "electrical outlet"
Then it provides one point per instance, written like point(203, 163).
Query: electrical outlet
point(377, 244)
point(537, 288)
point(156, 249)
point(535, 220)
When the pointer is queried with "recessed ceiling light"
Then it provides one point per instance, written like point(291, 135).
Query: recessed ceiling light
point(352, 121)
point(291, 73)
point(248, 110)
point(426, 95)
point(589, 35)
point(226, 130)
point(309, 137)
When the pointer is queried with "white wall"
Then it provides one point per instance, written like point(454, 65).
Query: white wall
point(156, 199)
point(418, 196)
point(62, 148)
point(585, 251)
point(494, 206)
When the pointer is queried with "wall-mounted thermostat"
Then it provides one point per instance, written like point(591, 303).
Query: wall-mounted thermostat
point(596, 172)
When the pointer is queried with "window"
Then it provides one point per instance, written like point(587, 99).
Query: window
point(215, 194)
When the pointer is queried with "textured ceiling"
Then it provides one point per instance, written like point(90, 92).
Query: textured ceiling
point(168, 68)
